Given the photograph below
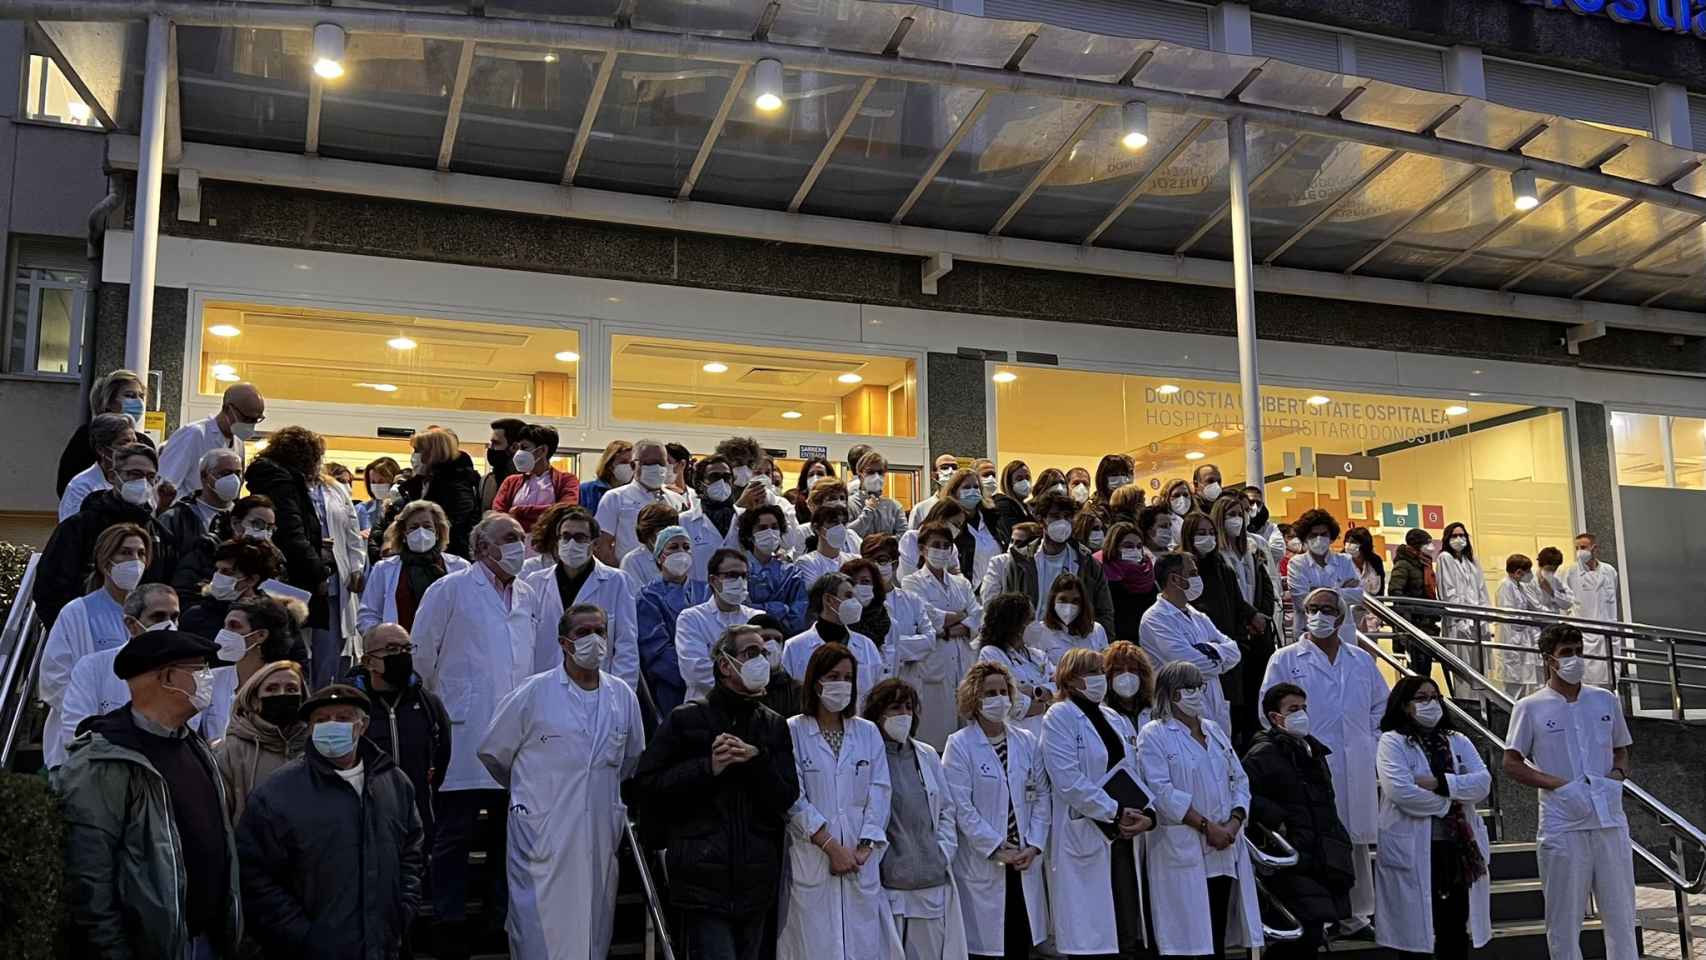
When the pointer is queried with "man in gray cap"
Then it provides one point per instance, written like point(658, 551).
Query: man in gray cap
point(150, 863)
point(331, 843)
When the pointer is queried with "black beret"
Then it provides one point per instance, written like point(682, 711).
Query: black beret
point(157, 648)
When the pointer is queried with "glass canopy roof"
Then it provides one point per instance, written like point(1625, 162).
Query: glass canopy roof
point(646, 104)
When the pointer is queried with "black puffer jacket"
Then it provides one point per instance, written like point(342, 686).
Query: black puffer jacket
point(298, 536)
point(724, 833)
point(62, 574)
point(185, 558)
point(423, 728)
point(328, 874)
point(1291, 792)
point(455, 487)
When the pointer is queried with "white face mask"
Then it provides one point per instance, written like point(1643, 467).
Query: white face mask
point(849, 611)
point(223, 586)
point(1190, 702)
point(228, 486)
point(1297, 724)
point(1428, 714)
point(202, 697)
point(1320, 545)
point(732, 591)
point(1097, 538)
point(1322, 625)
point(1458, 543)
point(995, 709)
point(836, 536)
point(162, 625)
point(1203, 545)
point(653, 475)
point(677, 564)
point(864, 593)
point(1059, 531)
point(1210, 491)
point(887, 570)
point(1294, 545)
point(512, 556)
point(1234, 526)
point(1131, 554)
point(1193, 588)
point(232, 645)
point(1114, 483)
point(1095, 687)
point(989, 483)
point(523, 461)
point(898, 727)
point(1067, 612)
point(1353, 549)
point(873, 483)
point(943, 473)
point(1572, 669)
point(1080, 492)
point(773, 654)
point(589, 651)
point(139, 493)
point(766, 541)
point(1127, 684)
point(415, 462)
point(573, 554)
point(1584, 556)
point(380, 491)
point(719, 491)
point(939, 557)
point(836, 694)
point(421, 539)
point(1180, 505)
point(1021, 488)
point(126, 574)
point(622, 473)
point(754, 674)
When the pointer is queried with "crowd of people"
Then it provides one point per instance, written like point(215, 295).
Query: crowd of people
point(1033, 713)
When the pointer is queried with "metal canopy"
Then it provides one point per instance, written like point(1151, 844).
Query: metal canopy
point(906, 114)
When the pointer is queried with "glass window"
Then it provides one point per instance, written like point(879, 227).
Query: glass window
point(1660, 451)
point(701, 383)
point(49, 97)
point(357, 452)
point(44, 332)
point(346, 356)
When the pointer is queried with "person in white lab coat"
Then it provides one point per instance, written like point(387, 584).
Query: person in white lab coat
point(416, 547)
point(945, 465)
point(1594, 586)
point(1007, 619)
point(1003, 807)
point(1431, 879)
point(1318, 566)
point(339, 643)
point(1519, 594)
point(829, 526)
point(1020, 539)
point(832, 608)
point(1555, 594)
point(1202, 889)
point(896, 619)
point(566, 534)
point(473, 638)
point(1173, 630)
point(699, 626)
point(1461, 580)
point(1094, 885)
point(640, 565)
point(242, 409)
point(619, 508)
point(956, 616)
point(836, 908)
point(923, 831)
point(562, 743)
point(1131, 682)
point(1571, 742)
point(1347, 695)
point(1066, 621)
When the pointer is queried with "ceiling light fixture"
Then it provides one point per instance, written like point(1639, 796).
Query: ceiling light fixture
point(401, 343)
point(1285, 489)
point(1134, 125)
point(1005, 376)
point(381, 387)
point(329, 51)
point(715, 366)
point(672, 405)
point(1318, 400)
point(850, 378)
point(1524, 194)
point(767, 85)
point(225, 377)
point(1209, 435)
point(1167, 389)
point(223, 330)
point(1195, 455)
point(221, 369)
point(567, 356)
point(550, 58)
point(1456, 410)
point(792, 414)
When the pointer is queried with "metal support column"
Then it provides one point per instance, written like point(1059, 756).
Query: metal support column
point(150, 164)
point(1667, 447)
point(1244, 297)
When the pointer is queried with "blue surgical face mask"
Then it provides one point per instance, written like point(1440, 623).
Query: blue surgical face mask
point(334, 739)
point(132, 408)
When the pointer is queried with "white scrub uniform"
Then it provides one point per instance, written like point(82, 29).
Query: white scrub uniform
point(563, 752)
point(1404, 871)
point(1596, 599)
point(696, 630)
point(826, 917)
point(1583, 834)
point(1168, 633)
point(87, 625)
point(987, 796)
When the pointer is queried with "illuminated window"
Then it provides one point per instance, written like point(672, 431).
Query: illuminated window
point(44, 330)
point(343, 356)
point(1656, 451)
point(49, 97)
point(699, 383)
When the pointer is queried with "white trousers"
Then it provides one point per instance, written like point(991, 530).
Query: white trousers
point(1579, 862)
point(924, 939)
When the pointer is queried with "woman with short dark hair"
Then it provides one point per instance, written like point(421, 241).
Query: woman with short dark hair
point(834, 610)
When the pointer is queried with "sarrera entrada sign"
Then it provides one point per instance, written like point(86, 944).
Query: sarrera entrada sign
point(1671, 16)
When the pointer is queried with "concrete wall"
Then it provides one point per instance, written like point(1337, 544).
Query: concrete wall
point(39, 416)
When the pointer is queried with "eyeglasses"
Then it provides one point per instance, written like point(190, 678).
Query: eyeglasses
point(384, 652)
point(748, 655)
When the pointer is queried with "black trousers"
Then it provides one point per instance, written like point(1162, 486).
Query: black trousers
point(1451, 923)
point(733, 937)
point(459, 830)
point(1015, 922)
point(1303, 948)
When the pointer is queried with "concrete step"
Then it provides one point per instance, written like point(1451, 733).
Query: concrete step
point(1521, 940)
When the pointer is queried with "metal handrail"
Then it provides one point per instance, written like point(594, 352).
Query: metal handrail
point(1667, 817)
point(654, 905)
point(1295, 932)
point(1586, 625)
point(21, 661)
point(1264, 861)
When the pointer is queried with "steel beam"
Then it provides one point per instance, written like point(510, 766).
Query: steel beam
point(583, 133)
point(830, 145)
point(1047, 169)
point(716, 130)
point(453, 115)
point(942, 156)
point(1629, 264)
point(1142, 186)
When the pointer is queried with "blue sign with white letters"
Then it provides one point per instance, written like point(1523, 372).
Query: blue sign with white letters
point(1671, 16)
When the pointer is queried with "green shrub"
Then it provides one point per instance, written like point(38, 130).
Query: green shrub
point(31, 872)
point(13, 558)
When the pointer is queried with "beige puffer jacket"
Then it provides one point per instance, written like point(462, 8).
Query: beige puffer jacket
point(253, 748)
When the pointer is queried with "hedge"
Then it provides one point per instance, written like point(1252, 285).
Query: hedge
point(13, 558)
point(31, 872)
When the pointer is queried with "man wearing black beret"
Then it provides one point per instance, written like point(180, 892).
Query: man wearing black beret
point(156, 878)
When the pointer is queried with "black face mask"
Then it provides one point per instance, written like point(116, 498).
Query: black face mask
point(399, 667)
point(279, 709)
point(501, 461)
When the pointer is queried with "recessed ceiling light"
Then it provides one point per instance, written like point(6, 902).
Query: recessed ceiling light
point(223, 330)
point(1209, 435)
point(1194, 455)
point(1473, 394)
point(1005, 376)
point(612, 299)
point(1285, 489)
point(1167, 389)
point(670, 405)
point(850, 378)
point(381, 387)
point(550, 58)
point(792, 414)
point(225, 377)
point(1318, 400)
point(567, 356)
point(400, 343)
point(1456, 410)
point(715, 367)
point(220, 369)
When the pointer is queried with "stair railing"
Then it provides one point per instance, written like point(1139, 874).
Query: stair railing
point(21, 643)
point(658, 943)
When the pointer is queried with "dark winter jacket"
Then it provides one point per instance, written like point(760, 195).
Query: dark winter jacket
point(79, 456)
point(455, 487)
point(1022, 578)
point(1224, 604)
point(328, 874)
point(724, 833)
point(1409, 578)
point(181, 533)
point(1291, 793)
point(62, 574)
point(298, 535)
point(412, 726)
point(1008, 513)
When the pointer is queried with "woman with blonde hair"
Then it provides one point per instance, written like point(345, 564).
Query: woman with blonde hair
point(615, 468)
point(877, 513)
point(445, 475)
point(264, 733)
point(1180, 500)
point(122, 392)
point(1131, 681)
point(414, 560)
point(976, 539)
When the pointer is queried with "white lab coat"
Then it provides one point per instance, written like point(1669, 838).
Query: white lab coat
point(640, 566)
point(983, 793)
point(1168, 633)
point(87, 481)
point(1462, 581)
point(379, 596)
point(1346, 700)
point(1054, 643)
point(563, 763)
point(71, 639)
point(797, 652)
point(349, 554)
point(1596, 599)
point(814, 564)
point(1030, 673)
point(940, 672)
point(1518, 669)
point(1404, 869)
point(696, 629)
point(1175, 768)
point(620, 507)
point(911, 635)
point(180, 457)
point(706, 540)
point(472, 651)
point(945, 815)
point(613, 593)
point(994, 576)
point(1304, 575)
point(826, 917)
point(1079, 854)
